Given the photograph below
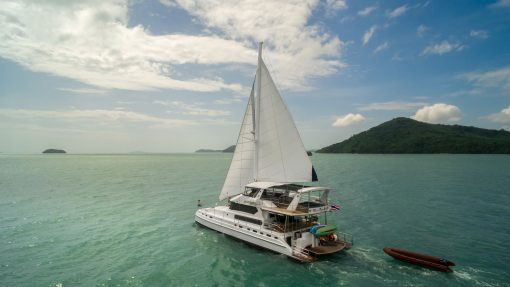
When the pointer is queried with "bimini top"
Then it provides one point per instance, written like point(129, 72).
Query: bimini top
point(294, 187)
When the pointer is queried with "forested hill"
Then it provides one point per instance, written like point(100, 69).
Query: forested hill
point(404, 135)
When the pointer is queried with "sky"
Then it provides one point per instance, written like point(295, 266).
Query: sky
point(118, 76)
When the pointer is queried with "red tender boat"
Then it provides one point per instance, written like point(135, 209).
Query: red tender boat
point(427, 261)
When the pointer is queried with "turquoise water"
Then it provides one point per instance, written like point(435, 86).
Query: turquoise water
point(127, 220)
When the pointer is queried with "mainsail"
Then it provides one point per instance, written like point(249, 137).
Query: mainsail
point(269, 147)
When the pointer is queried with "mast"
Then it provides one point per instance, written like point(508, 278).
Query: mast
point(257, 114)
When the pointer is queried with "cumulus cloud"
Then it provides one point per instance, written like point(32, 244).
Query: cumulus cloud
point(367, 10)
point(368, 34)
point(397, 12)
point(347, 120)
point(381, 47)
point(91, 41)
point(392, 106)
point(480, 34)
point(502, 117)
point(297, 50)
point(442, 48)
point(438, 113)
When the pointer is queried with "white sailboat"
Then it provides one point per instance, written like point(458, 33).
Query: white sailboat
point(265, 204)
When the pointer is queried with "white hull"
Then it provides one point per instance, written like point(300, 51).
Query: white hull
point(220, 220)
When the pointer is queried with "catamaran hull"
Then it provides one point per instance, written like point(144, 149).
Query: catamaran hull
point(244, 234)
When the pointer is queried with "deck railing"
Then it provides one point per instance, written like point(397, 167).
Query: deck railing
point(345, 237)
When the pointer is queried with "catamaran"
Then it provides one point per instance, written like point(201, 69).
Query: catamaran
point(268, 204)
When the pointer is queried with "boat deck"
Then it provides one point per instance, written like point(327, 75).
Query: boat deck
point(293, 226)
point(329, 248)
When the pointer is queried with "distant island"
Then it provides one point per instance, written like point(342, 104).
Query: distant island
point(404, 135)
point(51, 150)
point(229, 149)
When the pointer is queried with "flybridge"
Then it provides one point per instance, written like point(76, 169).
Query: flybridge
point(286, 198)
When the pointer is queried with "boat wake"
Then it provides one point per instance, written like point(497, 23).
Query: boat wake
point(473, 275)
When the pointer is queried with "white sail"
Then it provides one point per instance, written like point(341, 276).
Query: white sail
point(269, 147)
point(240, 172)
point(281, 155)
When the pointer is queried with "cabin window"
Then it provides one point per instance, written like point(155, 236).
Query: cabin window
point(243, 208)
point(248, 219)
point(251, 192)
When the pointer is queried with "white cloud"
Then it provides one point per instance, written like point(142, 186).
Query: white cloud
point(227, 101)
point(102, 116)
point(502, 117)
point(297, 50)
point(397, 57)
point(499, 78)
point(423, 5)
point(480, 34)
point(347, 120)
point(195, 109)
point(421, 30)
point(442, 48)
point(91, 41)
point(83, 91)
point(381, 47)
point(368, 34)
point(501, 4)
point(168, 3)
point(438, 113)
point(392, 106)
point(397, 12)
point(473, 92)
point(367, 10)
point(337, 4)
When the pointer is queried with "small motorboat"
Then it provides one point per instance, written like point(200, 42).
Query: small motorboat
point(427, 261)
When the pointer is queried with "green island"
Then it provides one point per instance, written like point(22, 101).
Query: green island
point(404, 135)
point(228, 149)
point(52, 150)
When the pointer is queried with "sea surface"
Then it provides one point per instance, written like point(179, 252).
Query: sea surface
point(128, 220)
